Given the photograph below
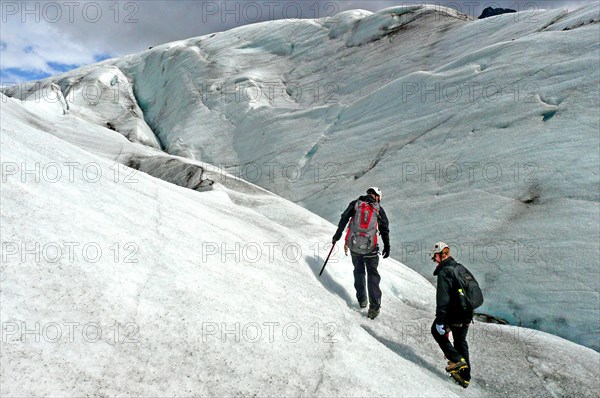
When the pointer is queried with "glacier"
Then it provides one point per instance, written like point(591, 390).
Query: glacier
point(196, 291)
point(193, 160)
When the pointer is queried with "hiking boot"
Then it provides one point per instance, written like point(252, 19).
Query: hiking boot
point(452, 366)
point(373, 312)
point(459, 379)
point(363, 304)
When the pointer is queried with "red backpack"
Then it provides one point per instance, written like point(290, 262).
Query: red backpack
point(361, 237)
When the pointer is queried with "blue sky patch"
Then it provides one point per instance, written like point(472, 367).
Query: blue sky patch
point(101, 57)
point(16, 75)
point(62, 67)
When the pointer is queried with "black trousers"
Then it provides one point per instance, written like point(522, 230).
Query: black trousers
point(459, 350)
point(369, 264)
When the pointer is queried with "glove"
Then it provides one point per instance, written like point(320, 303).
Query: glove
point(440, 329)
point(386, 252)
point(336, 237)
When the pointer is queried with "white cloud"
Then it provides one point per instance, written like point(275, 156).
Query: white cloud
point(33, 46)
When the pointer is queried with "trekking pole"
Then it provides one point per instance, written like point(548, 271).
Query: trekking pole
point(330, 251)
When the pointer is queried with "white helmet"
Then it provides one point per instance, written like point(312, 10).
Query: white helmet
point(438, 248)
point(376, 191)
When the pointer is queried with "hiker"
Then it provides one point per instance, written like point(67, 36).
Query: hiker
point(449, 317)
point(366, 217)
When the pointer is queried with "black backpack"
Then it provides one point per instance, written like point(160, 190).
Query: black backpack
point(470, 295)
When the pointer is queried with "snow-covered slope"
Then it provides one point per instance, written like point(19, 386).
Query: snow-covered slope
point(143, 288)
point(481, 133)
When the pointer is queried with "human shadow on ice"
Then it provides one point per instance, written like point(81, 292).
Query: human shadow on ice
point(315, 264)
point(405, 352)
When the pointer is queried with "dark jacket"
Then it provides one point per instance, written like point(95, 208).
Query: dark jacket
point(382, 221)
point(448, 311)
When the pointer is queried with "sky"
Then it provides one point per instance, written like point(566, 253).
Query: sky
point(43, 38)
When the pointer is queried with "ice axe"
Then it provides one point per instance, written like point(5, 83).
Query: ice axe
point(327, 259)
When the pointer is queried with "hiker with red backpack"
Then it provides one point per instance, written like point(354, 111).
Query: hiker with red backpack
point(367, 218)
point(458, 294)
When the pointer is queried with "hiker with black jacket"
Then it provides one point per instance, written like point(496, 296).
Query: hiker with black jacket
point(449, 317)
point(367, 218)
